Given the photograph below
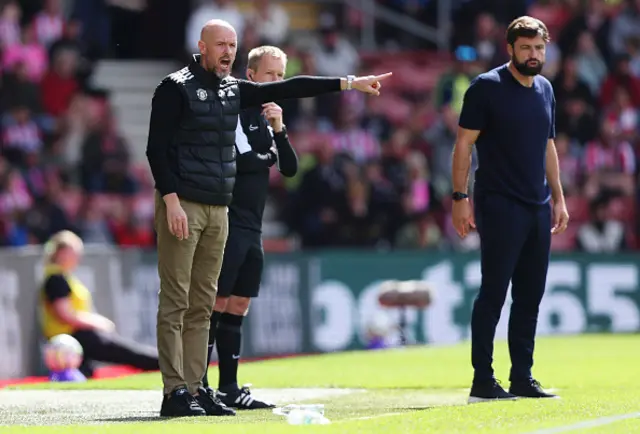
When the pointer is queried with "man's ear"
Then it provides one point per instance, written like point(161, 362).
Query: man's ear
point(250, 73)
point(510, 50)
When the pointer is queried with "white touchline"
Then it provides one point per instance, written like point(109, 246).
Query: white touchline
point(593, 423)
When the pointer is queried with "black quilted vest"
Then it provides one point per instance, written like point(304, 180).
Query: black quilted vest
point(203, 148)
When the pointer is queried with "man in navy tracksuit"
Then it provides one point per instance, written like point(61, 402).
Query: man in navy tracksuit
point(261, 142)
point(509, 113)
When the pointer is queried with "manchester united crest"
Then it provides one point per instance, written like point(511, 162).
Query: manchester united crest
point(202, 94)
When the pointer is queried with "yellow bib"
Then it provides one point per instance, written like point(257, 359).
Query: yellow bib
point(80, 298)
point(460, 86)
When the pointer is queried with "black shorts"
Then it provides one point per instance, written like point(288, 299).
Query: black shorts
point(242, 264)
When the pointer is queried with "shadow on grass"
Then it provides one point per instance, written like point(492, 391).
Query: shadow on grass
point(129, 419)
point(416, 408)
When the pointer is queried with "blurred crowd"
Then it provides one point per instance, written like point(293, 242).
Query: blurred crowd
point(62, 154)
point(375, 173)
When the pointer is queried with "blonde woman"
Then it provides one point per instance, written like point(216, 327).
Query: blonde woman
point(66, 307)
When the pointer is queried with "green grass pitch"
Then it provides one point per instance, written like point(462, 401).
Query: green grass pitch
point(410, 390)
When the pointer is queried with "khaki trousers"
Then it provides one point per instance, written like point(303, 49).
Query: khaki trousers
point(189, 271)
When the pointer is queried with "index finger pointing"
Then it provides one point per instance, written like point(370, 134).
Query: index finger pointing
point(383, 76)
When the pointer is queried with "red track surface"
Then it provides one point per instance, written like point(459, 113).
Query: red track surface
point(105, 372)
point(113, 371)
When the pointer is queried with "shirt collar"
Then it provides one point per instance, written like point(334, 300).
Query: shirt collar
point(207, 78)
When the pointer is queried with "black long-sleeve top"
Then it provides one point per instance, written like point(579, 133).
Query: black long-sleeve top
point(254, 142)
point(285, 157)
point(167, 106)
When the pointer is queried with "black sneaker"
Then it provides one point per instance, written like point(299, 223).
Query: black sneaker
point(242, 399)
point(529, 389)
point(491, 390)
point(212, 405)
point(180, 403)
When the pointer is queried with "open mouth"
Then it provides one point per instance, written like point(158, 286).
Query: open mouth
point(225, 63)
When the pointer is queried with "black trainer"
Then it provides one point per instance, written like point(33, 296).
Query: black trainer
point(242, 399)
point(180, 403)
point(211, 404)
point(529, 389)
point(490, 390)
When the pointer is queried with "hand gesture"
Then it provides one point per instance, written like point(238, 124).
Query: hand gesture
point(560, 218)
point(273, 113)
point(370, 83)
point(462, 217)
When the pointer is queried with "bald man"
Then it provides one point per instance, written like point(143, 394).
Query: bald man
point(192, 155)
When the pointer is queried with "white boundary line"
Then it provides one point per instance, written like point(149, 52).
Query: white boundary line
point(593, 423)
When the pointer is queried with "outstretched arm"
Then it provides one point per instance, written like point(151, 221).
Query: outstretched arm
point(304, 86)
point(254, 94)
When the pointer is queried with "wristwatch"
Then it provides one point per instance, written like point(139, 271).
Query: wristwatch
point(350, 79)
point(459, 196)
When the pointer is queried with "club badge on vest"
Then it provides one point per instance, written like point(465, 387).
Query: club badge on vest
point(202, 94)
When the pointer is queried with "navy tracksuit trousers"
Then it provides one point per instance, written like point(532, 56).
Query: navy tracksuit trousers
point(515, 240)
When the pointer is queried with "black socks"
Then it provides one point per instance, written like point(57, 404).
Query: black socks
point(228, 342)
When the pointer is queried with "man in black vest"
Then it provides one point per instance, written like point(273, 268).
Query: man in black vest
point(258, 131)
point(192, 155)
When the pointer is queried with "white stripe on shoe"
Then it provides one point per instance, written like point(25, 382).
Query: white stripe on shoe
point(245, 399)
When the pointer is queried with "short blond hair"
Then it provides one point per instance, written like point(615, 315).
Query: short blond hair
point(258, 53)
point(60, 240)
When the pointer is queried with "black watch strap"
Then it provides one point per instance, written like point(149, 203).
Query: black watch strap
point(459, 196)
point(282, 132)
